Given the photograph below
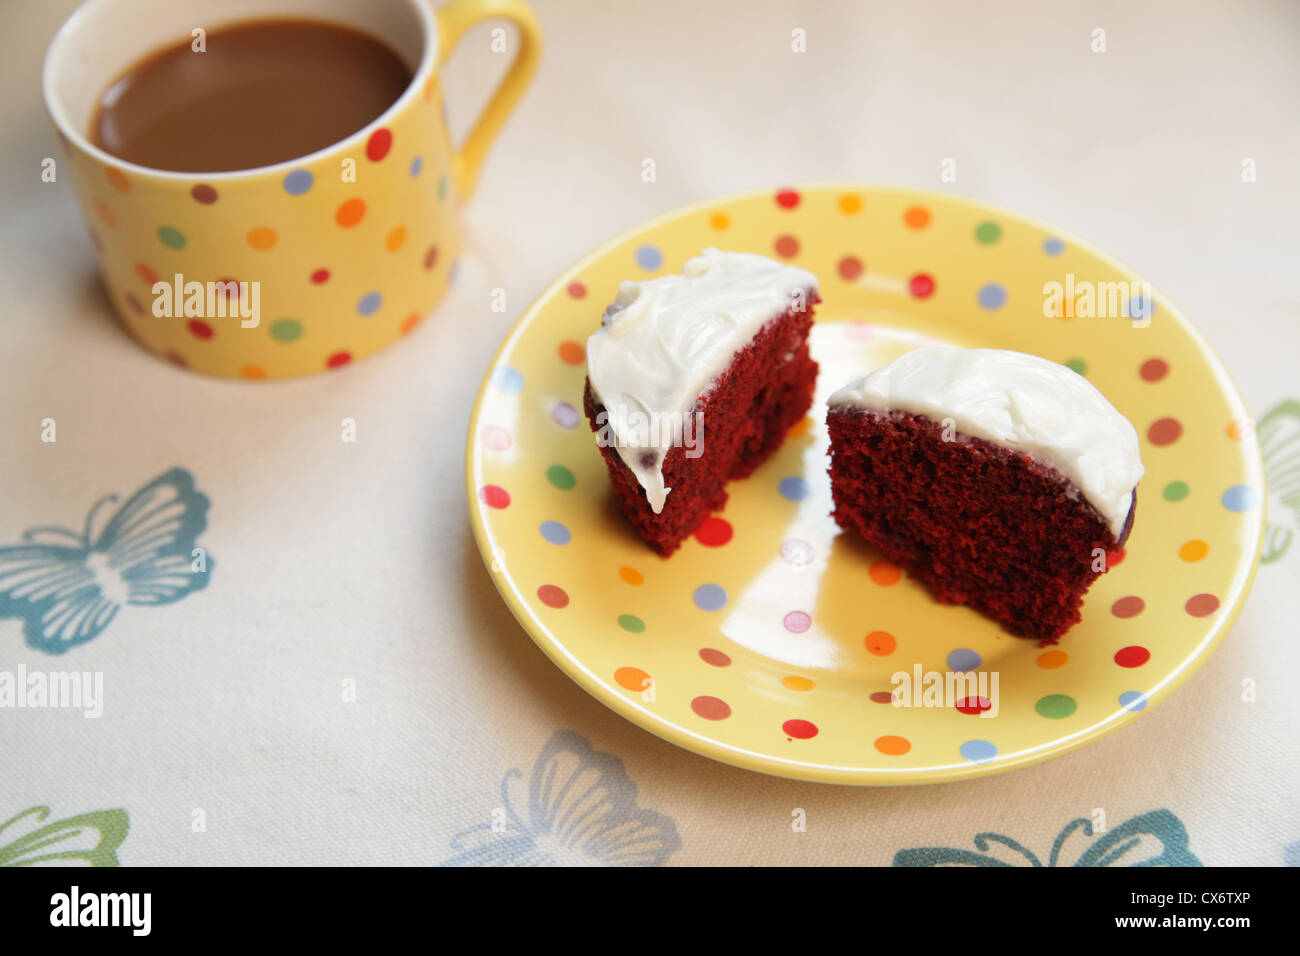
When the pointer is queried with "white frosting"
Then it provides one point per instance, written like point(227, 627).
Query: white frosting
point(1023, 402)
point(663, 341)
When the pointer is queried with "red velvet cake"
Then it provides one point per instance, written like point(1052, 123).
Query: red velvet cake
point(693, 380)
point(998, 479)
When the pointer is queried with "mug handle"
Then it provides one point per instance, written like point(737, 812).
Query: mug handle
point(453, 20)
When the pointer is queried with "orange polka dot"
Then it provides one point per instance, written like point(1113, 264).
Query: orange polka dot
point(631, 576)
point(1239, 430)
point(117, 179)
point(395, 239)
point(252, 372)
point(917, 217)
point(428, 88)
point(632, 678)
point(571, 353)
point(885, 572)
point(719, 220)
point(1194, 550)
point(1051, 660)
point(262, 238)
point(797, 683)
point(410, 322)
point(145, 273)
point(893, 746)
point(103, 212)
point(350, 213)
point(799, 428)
point(881, 643)
point(850, 204)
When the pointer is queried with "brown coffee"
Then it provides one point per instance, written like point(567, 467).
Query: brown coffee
point(262, 92)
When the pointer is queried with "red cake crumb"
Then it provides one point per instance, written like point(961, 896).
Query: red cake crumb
point(745, 411)
point(978, 523)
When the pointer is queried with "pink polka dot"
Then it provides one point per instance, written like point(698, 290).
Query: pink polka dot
point(800, 729)
point(1154, 369)
point(715, 657)
point(1130, 606)
point(714, 533)
point(200, 330)
point(1133, 656)
point(577, 290)
point(1201, 605)
point(797, 552)
point(565, 415)
point(494, 496)
point(787, 246)
point(850, 267)
point(552, 596)
point(496, 438)
point(711, 708)
point(857, 331)
point(796, 622)
point(921, 286)
point(377, 147)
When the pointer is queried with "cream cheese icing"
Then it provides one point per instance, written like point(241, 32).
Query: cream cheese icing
point(663, 341)
point(1023, 402)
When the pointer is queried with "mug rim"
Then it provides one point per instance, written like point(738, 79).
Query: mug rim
point(75, 137)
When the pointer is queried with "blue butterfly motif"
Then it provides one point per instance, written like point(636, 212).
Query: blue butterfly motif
point(67, 587)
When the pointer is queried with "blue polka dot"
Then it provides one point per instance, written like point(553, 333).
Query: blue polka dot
point(794, 488)
point(1140, 306)
point(710, 597)
point(555, 532)
point(1053, 246)
point(1133, 700)
point(417, 164)
point(964, 659)
point(298, 182)
point(508, 380)
point(1240, 498)
point(369, 303)
point(993, 296)
point(978, 751)
point(649, 257)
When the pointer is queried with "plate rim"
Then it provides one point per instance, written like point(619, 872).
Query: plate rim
point(706, 746)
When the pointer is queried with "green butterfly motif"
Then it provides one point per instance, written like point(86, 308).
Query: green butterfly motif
point(90, 839)
point(1157, 838)
point(1279, 443)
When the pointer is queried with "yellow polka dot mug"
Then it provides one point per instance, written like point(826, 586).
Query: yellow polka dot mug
point(305, 265)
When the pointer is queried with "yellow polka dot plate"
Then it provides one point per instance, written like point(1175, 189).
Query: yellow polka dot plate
point(774, 642)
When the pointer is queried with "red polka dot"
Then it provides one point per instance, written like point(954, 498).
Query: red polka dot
point(204, 193)
point(974, 705)
point(714, 533)
point(882, 697)
point(711, 708)
point(1164, 431)
point(1114, 558)
point(339, 359)
point(377, 147)
point(1153, 370)
point(787, 246)
point(787, 198)
point(715, 657)
point(431, 257)
point(1130, 606)
point(552, 596)
point(1132, 656)
point(136, 305)
point(200, 329)
point(320, 275)
point(800, 729)
point(145, 273)
point(921, 285)
point(1201, 605)
point(494, 496)
point(577, 290)
point(850, 267)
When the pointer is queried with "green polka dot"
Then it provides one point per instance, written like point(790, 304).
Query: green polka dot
point(1056, 706)
point(1176, 491)
point(442, 186)
point(286, 330)
point(1077, 365)
point(630, 622)
point(561, 477)
point(171, 237)
point(988, 232)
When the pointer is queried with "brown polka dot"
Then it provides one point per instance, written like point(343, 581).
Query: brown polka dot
point(787, 246)
point(431, 257)
point(711, 708)
point(1202, 605)
point(850, 268)
point(1130, 606)
point(1153, 370)
point(1164, 431)
point(203, 193)
point(715, 657)
point(882, 696)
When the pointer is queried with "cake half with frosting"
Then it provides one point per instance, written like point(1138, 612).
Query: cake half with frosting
point(999, 479)
point(693, 380)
